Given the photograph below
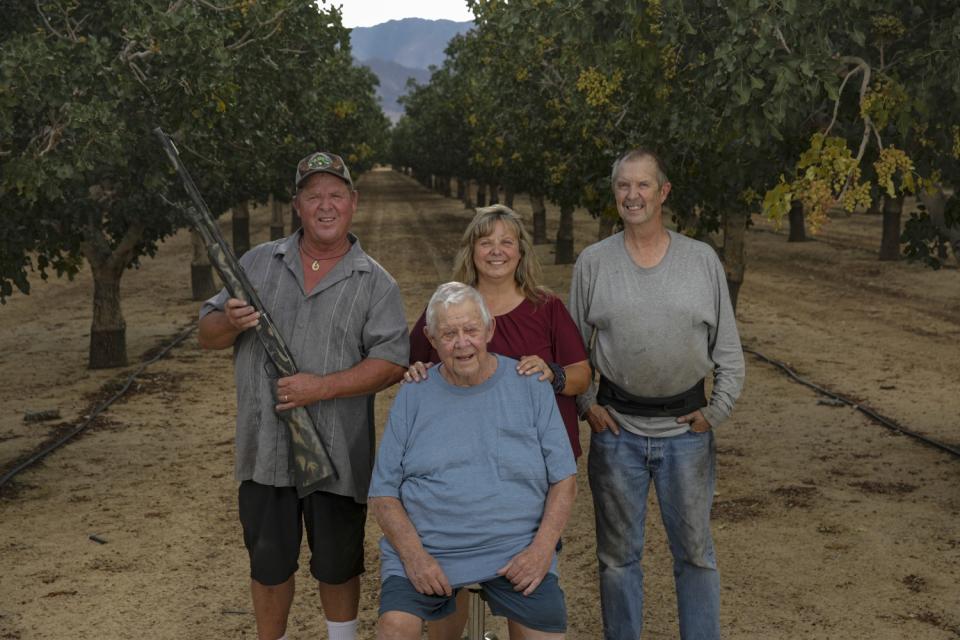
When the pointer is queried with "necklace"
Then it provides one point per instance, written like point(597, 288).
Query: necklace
point(316, 261)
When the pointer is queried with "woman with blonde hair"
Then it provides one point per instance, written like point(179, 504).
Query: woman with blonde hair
point(533, 326)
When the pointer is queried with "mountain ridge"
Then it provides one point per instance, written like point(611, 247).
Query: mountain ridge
point(400, 49)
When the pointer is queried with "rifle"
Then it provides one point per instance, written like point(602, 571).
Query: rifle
point(311, 461)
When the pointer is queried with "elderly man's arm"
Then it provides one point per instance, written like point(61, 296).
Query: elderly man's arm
point(527, 569)
point(422, 569)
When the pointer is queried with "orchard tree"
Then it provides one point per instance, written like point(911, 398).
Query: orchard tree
point(83, 84)
point(791, 103)
point(887, 134)
point(432, 136)
point(545, 113)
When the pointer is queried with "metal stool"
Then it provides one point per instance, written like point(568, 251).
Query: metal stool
point(475, 623)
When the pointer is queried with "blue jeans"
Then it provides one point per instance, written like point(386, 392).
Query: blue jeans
point(683, 470)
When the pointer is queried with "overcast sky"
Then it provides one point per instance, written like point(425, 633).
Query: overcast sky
point(366, 13)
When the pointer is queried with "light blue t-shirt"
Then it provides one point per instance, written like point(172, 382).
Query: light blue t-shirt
point(472, 467)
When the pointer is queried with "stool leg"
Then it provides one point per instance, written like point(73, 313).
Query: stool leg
point(475, 619)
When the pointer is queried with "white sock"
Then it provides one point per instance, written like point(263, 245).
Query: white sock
point(342, 630)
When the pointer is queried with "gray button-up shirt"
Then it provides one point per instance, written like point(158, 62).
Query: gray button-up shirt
point(354, 313)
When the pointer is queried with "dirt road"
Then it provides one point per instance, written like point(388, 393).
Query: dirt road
point(827, 525)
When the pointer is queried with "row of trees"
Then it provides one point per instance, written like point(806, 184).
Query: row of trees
point(777, 105)
point(246, 88)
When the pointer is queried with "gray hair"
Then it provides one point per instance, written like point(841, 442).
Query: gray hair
point(639, 154)
point(453, 293)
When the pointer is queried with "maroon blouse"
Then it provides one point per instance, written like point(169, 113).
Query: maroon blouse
point(544, 330)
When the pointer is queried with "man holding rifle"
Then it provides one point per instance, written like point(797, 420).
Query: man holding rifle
point(341, 315)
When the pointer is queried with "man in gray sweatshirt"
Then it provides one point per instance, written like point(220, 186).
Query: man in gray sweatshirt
point(654, 307)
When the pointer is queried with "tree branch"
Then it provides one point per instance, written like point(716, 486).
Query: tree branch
point(50, 28)
point(66, 23)
point(242, 43)
point(620, 118)
point(877, 134)
point(861, 66)
point(174, 7)
point(783, 41)
point(212, 7)
point(867, 127)
point(867, 121)
point(124, 251)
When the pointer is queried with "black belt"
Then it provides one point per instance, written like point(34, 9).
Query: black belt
point(681, 404)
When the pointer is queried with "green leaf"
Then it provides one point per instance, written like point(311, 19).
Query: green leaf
point(742, 90)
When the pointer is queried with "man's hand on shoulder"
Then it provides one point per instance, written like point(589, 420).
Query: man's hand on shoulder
point(427, 576)
point(698, 424)
point(527, 569)
point(600, 419)
point(416, 372)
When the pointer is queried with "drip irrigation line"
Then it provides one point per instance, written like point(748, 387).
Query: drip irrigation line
point(885, 421)
point(45, 451)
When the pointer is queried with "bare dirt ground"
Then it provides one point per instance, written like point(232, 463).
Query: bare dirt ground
point(827, 524)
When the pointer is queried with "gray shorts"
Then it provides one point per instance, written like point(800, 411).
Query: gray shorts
point(543, 610)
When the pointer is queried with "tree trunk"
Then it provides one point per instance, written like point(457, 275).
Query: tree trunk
point(461, 190)
point(202, 285)
point(276, 219)
point(294, 219)
point(935, 202)
point(508, 195)
point(890, 239)
point(494, 193)
point(734, 233)
point(539, 219)
point(798, 229)
point(605, 224)
point(564, 252)
point(481, 194)
point(446, 187)
point(108, 330)
point(241, 229)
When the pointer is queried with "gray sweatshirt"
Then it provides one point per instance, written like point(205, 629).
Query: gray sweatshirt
point(655, 332)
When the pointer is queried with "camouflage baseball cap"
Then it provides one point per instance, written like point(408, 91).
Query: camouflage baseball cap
point(323, 162)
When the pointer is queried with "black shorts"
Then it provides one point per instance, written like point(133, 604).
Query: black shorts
point(273, 519)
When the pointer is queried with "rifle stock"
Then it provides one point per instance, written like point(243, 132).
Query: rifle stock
point(311, 461)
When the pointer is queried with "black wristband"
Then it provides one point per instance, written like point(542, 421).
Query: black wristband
point(559, 377)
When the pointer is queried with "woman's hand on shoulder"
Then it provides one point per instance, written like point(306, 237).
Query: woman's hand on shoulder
point(532, 365)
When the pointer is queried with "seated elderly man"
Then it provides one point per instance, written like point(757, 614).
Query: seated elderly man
point(473, 483)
